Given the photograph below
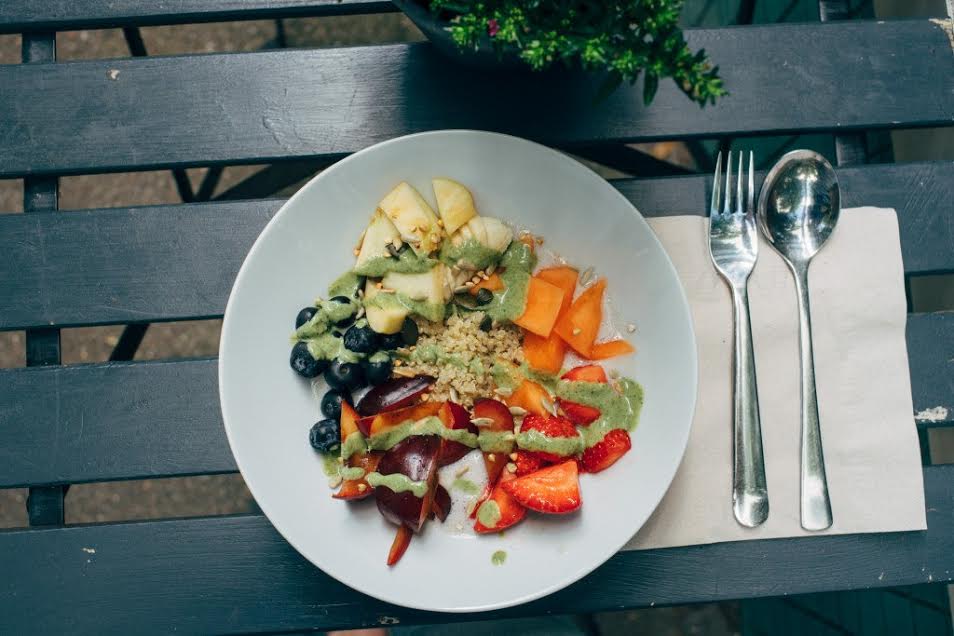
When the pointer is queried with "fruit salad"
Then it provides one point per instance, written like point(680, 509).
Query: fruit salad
point(460, 375)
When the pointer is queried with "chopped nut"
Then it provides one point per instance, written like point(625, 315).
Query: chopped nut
point(586, 276)
point(398, 362)
point(513, 456)
point(577, 331)
point(362, 487)
point(631, 328)
point(491, 457)
point(355, 251)
point(518, 410)
point(548, 405)
point(469, 283)
point(511, 467)
point(379, 284)
point(484, 276)
point(425, 397)
point(539, 240)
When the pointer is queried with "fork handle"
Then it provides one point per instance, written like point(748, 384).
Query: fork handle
point(749, 493)
point(815, 503)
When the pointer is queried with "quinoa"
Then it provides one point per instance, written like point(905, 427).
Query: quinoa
point(473, 351)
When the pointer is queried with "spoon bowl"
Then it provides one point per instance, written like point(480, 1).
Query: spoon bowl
point(798, 210)
point(799, 205)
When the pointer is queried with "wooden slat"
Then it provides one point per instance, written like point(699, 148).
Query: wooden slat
point(113, 421)
point(266, 106)
point(62, 15)
point(237, 575)
point(128, 265)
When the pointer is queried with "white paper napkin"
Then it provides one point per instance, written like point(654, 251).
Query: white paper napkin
point(870, 441)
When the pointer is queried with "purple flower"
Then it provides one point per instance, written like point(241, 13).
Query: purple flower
point(492, 27)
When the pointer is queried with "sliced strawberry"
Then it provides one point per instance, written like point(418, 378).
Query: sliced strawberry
point(554, 489)
point(527, 462)
point(586, 373)
point(579, 414)
point(401, 540)
point(510, 511)
point(604, 453)
point(551, 426)
point(582, 414)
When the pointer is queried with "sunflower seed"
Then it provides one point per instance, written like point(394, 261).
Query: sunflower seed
point(481, 421)
point(548, 406)
point(586, 276)
point(360, 313)
point(462, 471)
point(518, 410)
point(468, 284)
point(385, 290)
point(461, 289)
point(504, 391)
point(484, 276)
point(454, 396)
point(631, 328)
point(490, 270)
point(512, 467)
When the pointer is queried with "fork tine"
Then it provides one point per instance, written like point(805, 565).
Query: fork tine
point(716, 187)
point(726, 205)
point(738, 187)
point(751, 202)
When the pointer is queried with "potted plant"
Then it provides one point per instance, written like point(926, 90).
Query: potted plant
point(621, 38)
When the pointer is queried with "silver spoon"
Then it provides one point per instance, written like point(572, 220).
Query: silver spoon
point(798, 209)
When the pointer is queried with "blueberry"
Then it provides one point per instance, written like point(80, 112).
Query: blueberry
point(377, 371)
point(331, 403)
point(344, 376)
point(484, 296)
point(305, 365)
point(409, 332)
point(360, 339)
point(391, 341)
point(304, 316)
point(344, 300)
point(325, 436)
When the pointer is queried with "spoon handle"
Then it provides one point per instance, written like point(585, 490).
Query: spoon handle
point(749, 493)
point(815, 505)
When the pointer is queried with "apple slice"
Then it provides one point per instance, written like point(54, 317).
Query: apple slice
point(454, 416)
point(380, 233)
point(454, 203)
point(413, 218)
point(416, 459)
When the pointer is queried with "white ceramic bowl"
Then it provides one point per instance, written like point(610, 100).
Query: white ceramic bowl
point(268, 410)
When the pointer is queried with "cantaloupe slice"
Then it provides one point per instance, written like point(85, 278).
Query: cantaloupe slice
point(494, 283)
point(564, 277)
point(581, 323)
point(611, 349)
point(544, 354)
point(543, 307)
point(530, 396)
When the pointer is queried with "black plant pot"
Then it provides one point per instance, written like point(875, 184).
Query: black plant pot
point(483, 57)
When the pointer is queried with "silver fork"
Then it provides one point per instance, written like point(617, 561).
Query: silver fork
point(734, 247)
